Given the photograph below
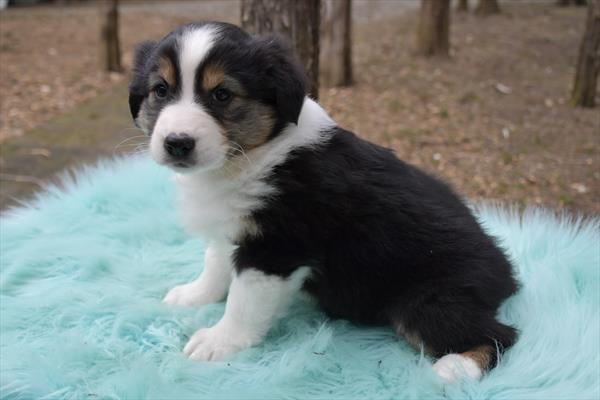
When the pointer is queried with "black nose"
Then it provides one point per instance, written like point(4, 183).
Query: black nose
point(179, 144)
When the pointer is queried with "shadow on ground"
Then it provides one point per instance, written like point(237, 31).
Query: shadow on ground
point(91, 131)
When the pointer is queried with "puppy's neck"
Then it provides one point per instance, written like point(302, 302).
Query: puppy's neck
point(313, 129)
point(218, 203)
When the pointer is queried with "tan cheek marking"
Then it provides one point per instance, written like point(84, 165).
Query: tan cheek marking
point(212, 77)
point(482, 355)
point(254, 130)
point(262, 132)
point(166, 70)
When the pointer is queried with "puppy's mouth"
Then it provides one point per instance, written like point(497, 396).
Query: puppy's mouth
point(181, 164)
point(189, 165)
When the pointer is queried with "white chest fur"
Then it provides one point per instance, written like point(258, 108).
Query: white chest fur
point(217, 204)
point(218, 208)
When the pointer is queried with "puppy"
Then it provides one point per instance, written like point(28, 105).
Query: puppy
point(290, 201)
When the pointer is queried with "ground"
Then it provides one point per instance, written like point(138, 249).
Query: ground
point(493, 120)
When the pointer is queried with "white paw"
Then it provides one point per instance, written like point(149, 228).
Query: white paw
point(452, 367)
point(189, 294)
point(215, 343)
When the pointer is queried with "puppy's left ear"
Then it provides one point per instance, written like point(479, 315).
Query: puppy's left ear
point(138, 87)
point(285, 77)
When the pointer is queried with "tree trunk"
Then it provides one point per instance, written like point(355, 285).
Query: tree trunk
point(298, 21)
point(564, 3)
point(434, 28)
point(463, 5)
point(588, 64)
point(110, 49)
point(335, 61)
point(487, 7)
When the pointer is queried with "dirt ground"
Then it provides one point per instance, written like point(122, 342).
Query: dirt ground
point(49, 54)
point(493, 120)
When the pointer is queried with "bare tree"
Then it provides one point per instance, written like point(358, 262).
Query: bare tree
point(110, 49)
point(434, 28)
point(463, 5)
point(298, 21)
point(487, 7)
point(335, 61)
point(588, 64)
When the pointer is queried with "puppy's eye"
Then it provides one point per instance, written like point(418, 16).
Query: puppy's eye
point(222, 95)
point(160, 90)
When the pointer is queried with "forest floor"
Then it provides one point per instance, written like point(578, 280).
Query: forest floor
point(493, 120)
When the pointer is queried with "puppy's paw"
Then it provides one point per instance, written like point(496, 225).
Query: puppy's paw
point(189, 294)
point(212, 344)
point(453, 367)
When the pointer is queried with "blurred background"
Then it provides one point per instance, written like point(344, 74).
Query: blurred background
point(498, 97)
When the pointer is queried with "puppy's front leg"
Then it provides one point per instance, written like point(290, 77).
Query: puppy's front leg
point(255, 301)
point(211, 286)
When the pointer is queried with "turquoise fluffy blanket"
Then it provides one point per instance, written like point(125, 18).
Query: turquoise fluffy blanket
point(83, 270)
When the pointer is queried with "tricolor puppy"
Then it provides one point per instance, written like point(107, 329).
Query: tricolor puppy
point(292, 202)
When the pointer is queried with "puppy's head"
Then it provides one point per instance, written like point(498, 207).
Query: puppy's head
point(210, 92)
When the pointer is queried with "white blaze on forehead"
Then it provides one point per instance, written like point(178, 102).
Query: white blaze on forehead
point(195, 43)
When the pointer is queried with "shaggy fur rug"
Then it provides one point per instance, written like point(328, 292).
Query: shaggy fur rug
point(84, 269)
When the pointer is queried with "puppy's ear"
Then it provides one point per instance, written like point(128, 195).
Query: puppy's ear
point(138, 89)
point(285, 77)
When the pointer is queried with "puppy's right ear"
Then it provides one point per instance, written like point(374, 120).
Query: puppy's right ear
point(138, 89)
point(284, 76)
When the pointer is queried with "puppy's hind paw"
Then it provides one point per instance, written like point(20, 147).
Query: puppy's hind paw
point(453, 367)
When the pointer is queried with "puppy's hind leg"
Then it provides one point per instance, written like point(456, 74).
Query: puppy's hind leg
point(477, 359)
point(472, 364)
point(452, 366)
point(212, 284)
point(465, 338)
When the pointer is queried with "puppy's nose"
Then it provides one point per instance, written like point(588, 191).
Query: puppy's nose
point(179, 144)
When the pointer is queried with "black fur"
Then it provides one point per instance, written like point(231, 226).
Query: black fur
point(284, 77)
point(265, 65)
point(138, 89)
point(387, 243)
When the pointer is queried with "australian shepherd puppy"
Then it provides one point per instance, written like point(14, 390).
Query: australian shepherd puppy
point(292, 202)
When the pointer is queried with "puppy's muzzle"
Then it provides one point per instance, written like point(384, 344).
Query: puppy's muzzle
point(179, 145)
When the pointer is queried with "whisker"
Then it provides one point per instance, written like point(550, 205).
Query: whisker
point(133, 128)
point(124, 142)
point(240, 149)
point(129, 144)
point(137, 151)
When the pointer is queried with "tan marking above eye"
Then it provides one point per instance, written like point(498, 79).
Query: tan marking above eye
point(213, 76)
point(166, 70)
